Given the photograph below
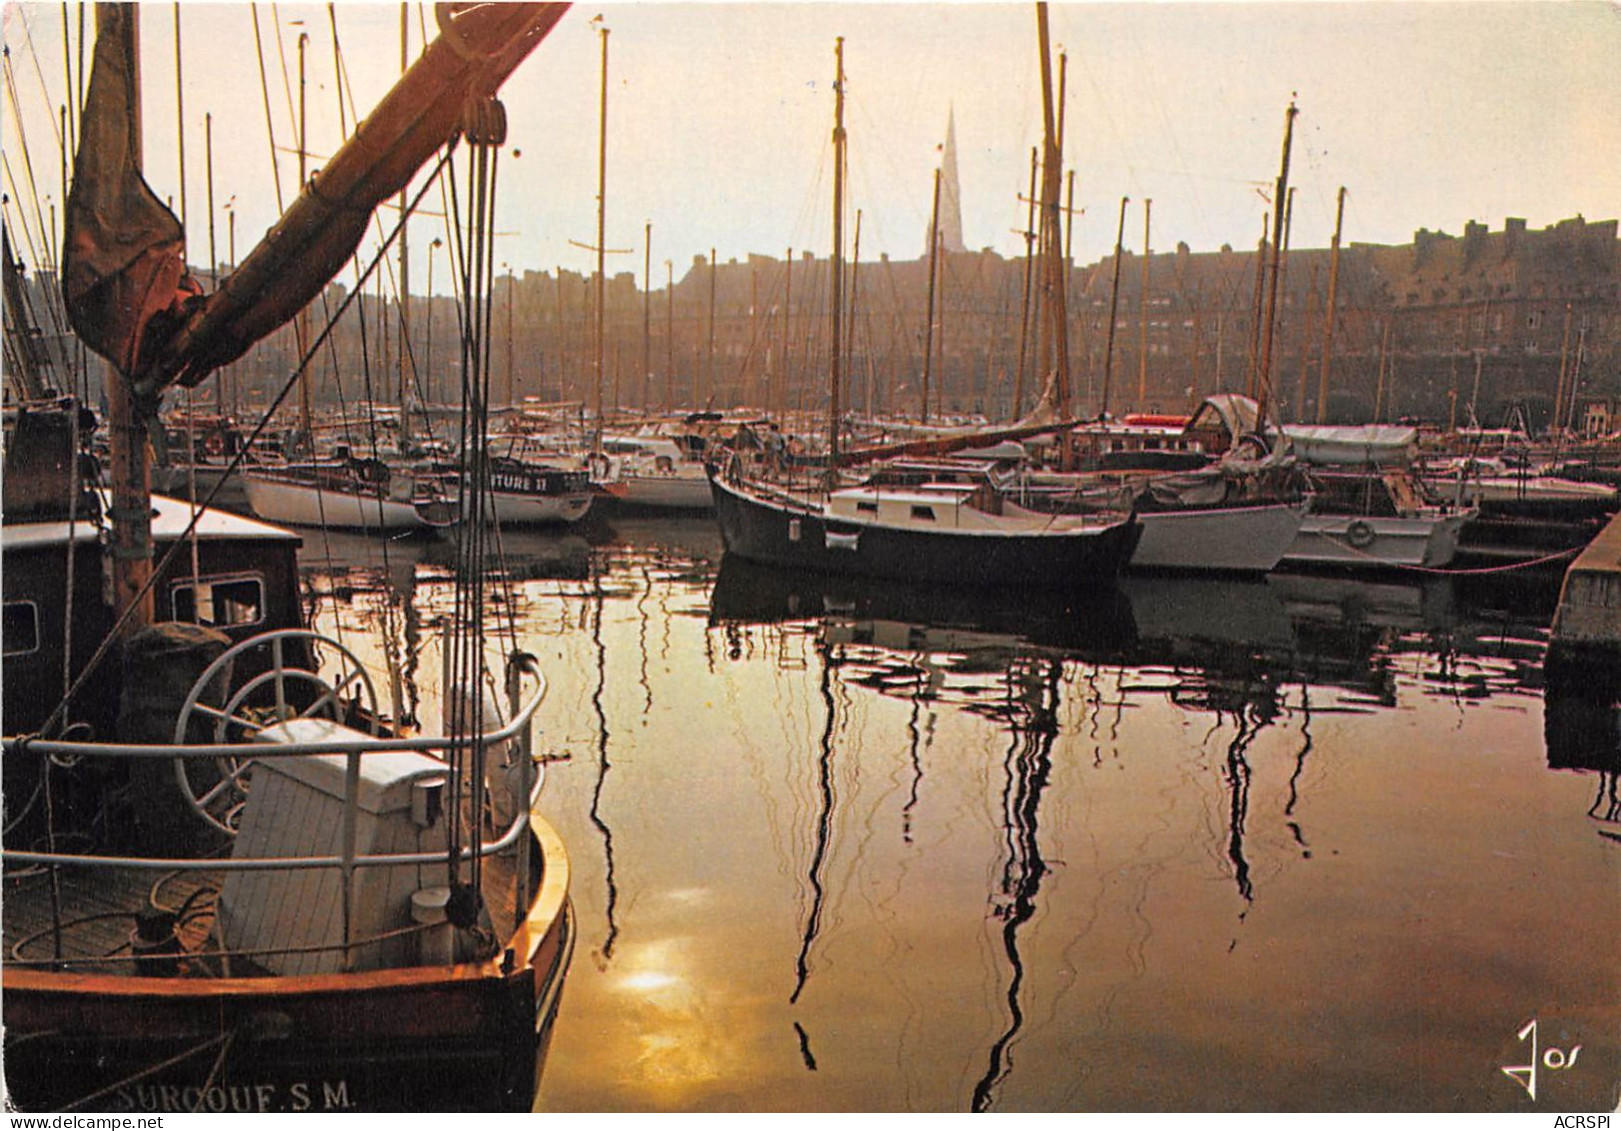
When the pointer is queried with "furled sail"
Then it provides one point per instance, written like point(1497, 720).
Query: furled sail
point(128, 259)
point(124, 275)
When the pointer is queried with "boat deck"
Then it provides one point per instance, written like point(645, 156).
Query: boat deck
point(97, 910)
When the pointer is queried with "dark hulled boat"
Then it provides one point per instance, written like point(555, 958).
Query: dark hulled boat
point(941, 532)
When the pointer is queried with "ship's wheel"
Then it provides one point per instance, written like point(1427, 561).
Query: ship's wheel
point(273, 688)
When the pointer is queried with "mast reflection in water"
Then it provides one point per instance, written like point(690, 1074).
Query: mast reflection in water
point(1301, 844)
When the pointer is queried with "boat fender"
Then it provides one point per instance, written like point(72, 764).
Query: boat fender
point(1359, 534)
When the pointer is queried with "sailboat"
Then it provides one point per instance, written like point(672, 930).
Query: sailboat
point(948, 522)
point(231, 883)
point(346, 492)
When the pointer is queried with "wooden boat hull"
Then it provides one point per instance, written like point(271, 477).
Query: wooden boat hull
point(763, 531)
point(1359, 542)
point(297, 504)
point(467, 1037)
point(1244, 539)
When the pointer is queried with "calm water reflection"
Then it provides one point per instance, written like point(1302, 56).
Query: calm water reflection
point(1299, 844)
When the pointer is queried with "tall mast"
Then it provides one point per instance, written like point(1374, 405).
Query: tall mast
point(928, 327)
point(1564, 365)
point(1024, 310)
point(1280, 207)
point(855, 294)
point(405, 272)
point(1142, 313)
point(602, 238)
point(1255, 309)
point(833, 408)
point(1114, 307)
point(1052, 178)
point(773, 405)
point(301, 326)
point(709, 355)
point(647, 312)
point(130, 471)
point(180, 115)
point(669, 335)
point(1328, 313)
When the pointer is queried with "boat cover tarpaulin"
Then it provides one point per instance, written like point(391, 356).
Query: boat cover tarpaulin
point(1382, 445)
point(123, 262)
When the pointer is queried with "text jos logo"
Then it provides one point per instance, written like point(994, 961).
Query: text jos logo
point(1552, 1059)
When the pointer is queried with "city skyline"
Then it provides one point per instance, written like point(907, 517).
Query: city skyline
point(719, 119)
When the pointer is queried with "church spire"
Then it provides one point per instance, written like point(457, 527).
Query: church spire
point(950, 191)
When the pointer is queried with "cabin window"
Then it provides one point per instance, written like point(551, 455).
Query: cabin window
point(923, 514)
point(867, 508)
point(221, 602)
point(20, 630)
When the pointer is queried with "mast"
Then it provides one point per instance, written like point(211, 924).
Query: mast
point(405, 275)
point(669, 335)
point(1024, 310)
point(1056, 307)
point(1142, 313)
point(1328, 313)
point(1114, 307)
point(1281, 202)
point(928, 327)
point(772, 405)
point(855, 294)
point(709, 356)
point(301, 325)
point(1255, 309)
point(130, 472)
point(1564, 363)
point(833, 409)
point(602, 239)
point(647, 312)
point(180, 115)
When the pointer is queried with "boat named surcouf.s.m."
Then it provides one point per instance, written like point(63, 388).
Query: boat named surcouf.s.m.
point(232, 884)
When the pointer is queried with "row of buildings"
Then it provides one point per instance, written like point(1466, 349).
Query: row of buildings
point(1446, 329)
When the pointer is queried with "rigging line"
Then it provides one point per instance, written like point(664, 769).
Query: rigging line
point(264, 89)
point(340, 71)
point(69, 121)
point(286, 80)
point(39, 71)
point(28, 163)
point(198, 510)
point(21, 222)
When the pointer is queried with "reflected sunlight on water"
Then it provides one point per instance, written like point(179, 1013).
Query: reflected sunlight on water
point(1298, 844)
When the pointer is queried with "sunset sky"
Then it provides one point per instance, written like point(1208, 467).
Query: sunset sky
point(720, 119)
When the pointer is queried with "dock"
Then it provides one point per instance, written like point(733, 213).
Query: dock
point(1588, 620)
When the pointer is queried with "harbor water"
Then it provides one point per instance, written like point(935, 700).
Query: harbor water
point(1304, 843)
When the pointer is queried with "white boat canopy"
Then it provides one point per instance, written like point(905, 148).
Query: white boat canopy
point(1359, 444)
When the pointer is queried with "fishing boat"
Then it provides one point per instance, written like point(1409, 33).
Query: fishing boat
point(235, 884)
